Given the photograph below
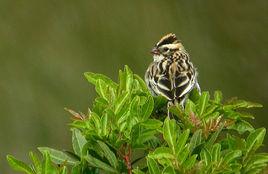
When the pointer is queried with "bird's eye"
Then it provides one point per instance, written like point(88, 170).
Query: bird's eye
point(165, 49)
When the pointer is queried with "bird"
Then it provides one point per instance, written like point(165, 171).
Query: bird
point(171, 73)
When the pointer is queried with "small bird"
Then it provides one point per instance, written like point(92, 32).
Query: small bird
point(171, 74)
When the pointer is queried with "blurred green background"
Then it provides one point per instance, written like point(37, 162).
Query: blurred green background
point(46, 45)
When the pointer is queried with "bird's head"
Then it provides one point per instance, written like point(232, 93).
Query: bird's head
point(166, 47)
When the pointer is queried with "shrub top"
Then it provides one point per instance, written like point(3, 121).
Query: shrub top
point(127, 131)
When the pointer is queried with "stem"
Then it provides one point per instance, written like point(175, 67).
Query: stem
point(127, 159)
point(138, 159)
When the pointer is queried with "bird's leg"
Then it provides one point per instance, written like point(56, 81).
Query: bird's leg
point(182, 102)
point(170, 103)
point(198, 87)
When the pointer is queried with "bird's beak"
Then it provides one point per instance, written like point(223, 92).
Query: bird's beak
point(154, 51)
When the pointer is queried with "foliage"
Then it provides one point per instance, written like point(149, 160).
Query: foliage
point(127, 130)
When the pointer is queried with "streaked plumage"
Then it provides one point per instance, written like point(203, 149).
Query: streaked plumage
point(171, 74)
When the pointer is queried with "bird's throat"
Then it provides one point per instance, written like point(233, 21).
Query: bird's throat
point(158, 57)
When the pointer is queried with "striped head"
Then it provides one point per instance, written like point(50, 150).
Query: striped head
point(166, 47)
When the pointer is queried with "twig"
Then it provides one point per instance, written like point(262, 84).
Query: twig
point(127, 159)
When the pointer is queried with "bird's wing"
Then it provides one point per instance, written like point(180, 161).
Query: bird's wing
point(169, 81)
point(175, 86)
point(151, 79)
point(183, 84)
point(165, 87)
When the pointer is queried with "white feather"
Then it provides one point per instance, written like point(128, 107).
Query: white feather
point(158, 58)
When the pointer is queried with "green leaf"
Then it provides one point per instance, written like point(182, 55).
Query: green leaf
point(141, 83)
point(125, 80)
point(148, 107)
point(159, 102)
point(129, 78)
point(79, 124)
point(214, 137)
point(122, 81)
point(216, 152)
point(144, 136)
point(131, 122)
point(212, 116)
point(194, 95)
point(235, 104)
point(261, 158)
point(232, 114)
point(57, 156)
point(190, 162)
point(210, 110)
point(99, 105)
point(189, 107)
point(168, 170)
point(162, 152)
point(231, 155)
point(236, 167)
point(256, 169)
point(135, 106)
point(182, 156)
point(217, 97)
point(245, 115)
point(152, 166)
point(109, 155)
point(36, 162)
point(78, 141)
point(48, 168)
point(104, 124)
point(137, 171)
point(120, 102)
point(179, 112)
point(97, 122)
point(94, 162)
point(102, 89)
point(19, 165)
point(94, 77)
point(77, 169)
point(123, 127)
point(182, 141)
point(234, 142)
point(241, 126)
point(64, 170)
point(206, 156)
point(254, 140)
point(202, 103)
point(152, 124)
point(258, 161)
point(195, 139)
point(170, 132)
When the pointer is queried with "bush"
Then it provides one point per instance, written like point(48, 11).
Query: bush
point(127, 131)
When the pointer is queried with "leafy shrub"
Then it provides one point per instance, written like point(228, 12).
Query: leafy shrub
point(127, 131)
